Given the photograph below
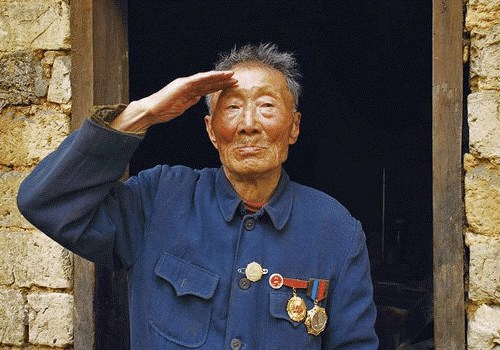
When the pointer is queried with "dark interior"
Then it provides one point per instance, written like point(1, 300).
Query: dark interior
point(366, 128)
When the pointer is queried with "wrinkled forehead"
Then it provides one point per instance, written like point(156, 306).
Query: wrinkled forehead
point(258, 78)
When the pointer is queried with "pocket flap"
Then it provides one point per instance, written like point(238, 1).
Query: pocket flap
point(186, 278)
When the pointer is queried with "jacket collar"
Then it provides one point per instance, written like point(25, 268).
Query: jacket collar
point(278, 208)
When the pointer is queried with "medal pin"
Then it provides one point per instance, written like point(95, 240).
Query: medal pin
point(296, 306)
point(316, 317)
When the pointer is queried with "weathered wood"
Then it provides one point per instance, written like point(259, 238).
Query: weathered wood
point(110, 52)
point(447, 100)
point(84, 287)
point(82, 100)
point(99, 41)
point(82, 71)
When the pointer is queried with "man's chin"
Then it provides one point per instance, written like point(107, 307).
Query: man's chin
point(253, 170)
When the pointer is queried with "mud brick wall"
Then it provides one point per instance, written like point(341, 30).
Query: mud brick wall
point(482, 175)
point(36, 296)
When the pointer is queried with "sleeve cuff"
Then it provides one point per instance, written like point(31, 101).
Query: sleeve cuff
point(103, 115)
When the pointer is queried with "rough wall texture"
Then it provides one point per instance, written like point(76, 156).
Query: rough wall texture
point(36, 281)
point(482, 179)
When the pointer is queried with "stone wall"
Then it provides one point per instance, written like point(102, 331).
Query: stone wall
point(482, 177)
point(36, 297)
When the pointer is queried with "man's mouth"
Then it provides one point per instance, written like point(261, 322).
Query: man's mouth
point(249, 148)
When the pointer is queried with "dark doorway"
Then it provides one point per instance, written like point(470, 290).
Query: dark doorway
point(366, 125)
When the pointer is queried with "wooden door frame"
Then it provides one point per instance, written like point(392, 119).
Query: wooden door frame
point(99, 76)
point(99, 39)
point(447, 167)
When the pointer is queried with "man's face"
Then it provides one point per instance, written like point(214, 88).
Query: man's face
point(253, 122)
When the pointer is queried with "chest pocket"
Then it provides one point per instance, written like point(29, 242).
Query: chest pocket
point(284, 331)
point(181, 305)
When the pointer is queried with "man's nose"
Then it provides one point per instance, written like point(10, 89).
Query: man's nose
point(249, 122)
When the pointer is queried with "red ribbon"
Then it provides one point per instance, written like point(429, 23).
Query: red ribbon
point(295, 283)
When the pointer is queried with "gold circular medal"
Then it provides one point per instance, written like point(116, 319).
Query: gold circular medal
point(316, 320)
point(296, 308)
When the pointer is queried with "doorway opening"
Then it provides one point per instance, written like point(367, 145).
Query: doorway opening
point(366, 135)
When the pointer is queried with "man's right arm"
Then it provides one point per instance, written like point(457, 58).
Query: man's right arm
point(171, 101)
point(74, 195)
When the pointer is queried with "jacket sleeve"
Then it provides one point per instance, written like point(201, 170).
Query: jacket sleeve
point(75, 196)
point(351, 324)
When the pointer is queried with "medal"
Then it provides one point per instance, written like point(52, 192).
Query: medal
point(316, 320)
point(253, 271)
point(296, 308)
point(316, 317)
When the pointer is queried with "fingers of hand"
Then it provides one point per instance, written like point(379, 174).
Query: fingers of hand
point(182, 93)
point(205, 83)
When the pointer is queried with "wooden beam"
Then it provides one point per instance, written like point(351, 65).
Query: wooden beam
point(84, 288)
point(448, 212)
point(82, 53)
point(82, 101)
point(110, 52)
point(99, 42)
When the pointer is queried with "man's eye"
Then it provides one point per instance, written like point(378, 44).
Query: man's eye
point(267, 105)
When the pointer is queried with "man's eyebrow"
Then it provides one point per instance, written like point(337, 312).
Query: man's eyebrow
point(264, 89)
point(236, 91)
point(230, 92)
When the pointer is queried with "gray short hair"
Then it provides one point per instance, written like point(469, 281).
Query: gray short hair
point(267, 55)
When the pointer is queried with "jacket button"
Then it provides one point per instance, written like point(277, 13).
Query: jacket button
point(235, 344)
point(245, 283)
point(249, 224)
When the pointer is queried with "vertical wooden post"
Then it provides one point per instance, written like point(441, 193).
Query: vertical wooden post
point(99, 42)
point(447, 100)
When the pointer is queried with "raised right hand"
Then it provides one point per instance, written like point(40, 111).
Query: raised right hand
point(171, 101)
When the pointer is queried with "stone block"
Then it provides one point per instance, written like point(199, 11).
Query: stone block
point(8, 249)
point(484, 124)
point(484, 328)
point(21, 79)
point(484, 62)
point(484, 269)
point(9, 213)
point(33, 347)
point(28, 134)
point(50, 319)
point(482, 197)
point(482, 14)
point(12, 317)
point(34, 24)
point(46, 264)
point(33, 259)
point(60, 83)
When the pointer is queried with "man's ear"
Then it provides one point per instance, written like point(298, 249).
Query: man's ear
point(294, 133)
point(210, 131)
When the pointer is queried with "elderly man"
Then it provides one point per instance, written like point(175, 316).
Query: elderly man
point(238, 257)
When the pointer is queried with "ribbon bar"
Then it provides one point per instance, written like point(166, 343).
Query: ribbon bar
point(295, 283)
point(317, 289)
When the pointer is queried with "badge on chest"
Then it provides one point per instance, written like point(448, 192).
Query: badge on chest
point(314, 319)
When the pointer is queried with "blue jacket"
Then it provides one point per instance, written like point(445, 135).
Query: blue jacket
point(183, 234)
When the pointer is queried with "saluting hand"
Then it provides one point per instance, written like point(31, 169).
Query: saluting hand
point(171, 101)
